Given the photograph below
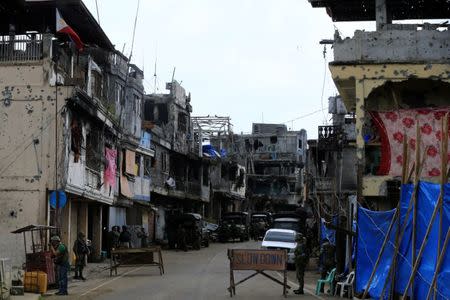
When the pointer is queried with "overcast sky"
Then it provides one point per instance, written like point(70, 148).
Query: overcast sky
point(247, 59)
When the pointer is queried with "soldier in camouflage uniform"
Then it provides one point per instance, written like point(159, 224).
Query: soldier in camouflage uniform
point(301, 261)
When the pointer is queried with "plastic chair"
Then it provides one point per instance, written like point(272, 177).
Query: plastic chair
point(330, 280)
point(348, 283)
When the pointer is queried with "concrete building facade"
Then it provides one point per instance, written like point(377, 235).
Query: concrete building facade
point(399, 71)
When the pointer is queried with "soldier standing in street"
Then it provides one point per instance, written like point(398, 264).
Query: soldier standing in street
point(301, 261)
point(327, 256)
point(81, 251)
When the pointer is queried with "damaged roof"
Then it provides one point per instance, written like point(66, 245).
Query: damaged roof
point(364, 10)
point(40, 16)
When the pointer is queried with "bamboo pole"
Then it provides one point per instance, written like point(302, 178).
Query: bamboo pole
point(394, 217)
point(416, 183)
point(408, 212)
point(444, 150)
point(444, 163)
point(433, 285)
point(393, 266)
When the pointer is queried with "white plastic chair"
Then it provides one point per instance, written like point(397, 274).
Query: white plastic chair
point(348, 283)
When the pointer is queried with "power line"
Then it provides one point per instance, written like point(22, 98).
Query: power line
point(305, 115)
point(19, 151)
point(324, 78)
point(98, 15)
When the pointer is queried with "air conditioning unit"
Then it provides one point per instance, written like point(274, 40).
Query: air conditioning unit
point(5, 278)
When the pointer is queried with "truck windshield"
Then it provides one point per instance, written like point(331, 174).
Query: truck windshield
point(287, 225)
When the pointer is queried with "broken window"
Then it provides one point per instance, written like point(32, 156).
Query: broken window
point(163, 114)
point(147, 165)
point(224, 171)
point(205, 175)
point(182, 122)
point(149, 108)
point(76, 139)
point(96, 85)
point(137, 165)
point(94, 151)
point(257, 144)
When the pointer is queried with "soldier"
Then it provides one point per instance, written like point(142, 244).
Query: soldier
point(81, 251)
point(301, 261)
point(327, 255)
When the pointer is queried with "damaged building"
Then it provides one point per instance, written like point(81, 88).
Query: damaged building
point(227, 166)
point(70, 126)
point(180, 178)
point(275, 161)
point(397, 82)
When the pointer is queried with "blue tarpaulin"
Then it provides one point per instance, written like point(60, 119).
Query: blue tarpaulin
point(372, 228)
point(327, 233)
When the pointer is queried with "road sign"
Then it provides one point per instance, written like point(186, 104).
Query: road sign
point(258, 260)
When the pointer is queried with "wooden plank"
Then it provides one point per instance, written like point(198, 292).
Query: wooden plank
point(246, 259)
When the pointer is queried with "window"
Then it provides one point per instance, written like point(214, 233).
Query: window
point(273, 139)
point(164, 165)
point(137, 160)
point(182, 122)
point(292, 187)
point(147, 166)
point(205, 175)
point(300, 144)
point(96, 84)
point(118, 96)
point(94, 150)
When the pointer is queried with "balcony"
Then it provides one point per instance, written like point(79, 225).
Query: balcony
point(92, 178)
point(21, 48)
point(331, 138)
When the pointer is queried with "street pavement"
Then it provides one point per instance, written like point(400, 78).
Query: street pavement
point(195, 275)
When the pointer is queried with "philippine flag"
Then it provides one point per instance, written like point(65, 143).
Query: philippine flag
point(62, 27)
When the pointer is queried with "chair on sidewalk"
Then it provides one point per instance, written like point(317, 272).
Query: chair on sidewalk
point(330, 280)
point(348, 283)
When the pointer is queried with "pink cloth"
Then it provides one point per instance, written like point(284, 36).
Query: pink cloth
point(393, 125)
point(110, 170)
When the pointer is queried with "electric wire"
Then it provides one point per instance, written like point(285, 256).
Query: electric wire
point(18, 151)
point(98, 14)
point(323, 81)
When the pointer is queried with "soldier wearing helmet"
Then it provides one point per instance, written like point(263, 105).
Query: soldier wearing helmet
point(301, 261)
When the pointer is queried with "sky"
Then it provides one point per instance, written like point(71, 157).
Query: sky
point(252, 60)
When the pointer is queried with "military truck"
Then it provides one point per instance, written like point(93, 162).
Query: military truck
point(294, 220)
point(234, 225)
point(187, 231)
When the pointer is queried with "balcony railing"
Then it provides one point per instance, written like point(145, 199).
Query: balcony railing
point(21, 48)
point(331, 138)
point(93, 178)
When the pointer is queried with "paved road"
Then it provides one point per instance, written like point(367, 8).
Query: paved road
point(193, 275)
